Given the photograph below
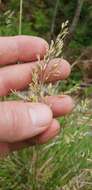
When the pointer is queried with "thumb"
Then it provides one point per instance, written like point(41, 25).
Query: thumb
point(20, 121)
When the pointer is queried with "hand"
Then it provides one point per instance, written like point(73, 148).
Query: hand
point(24, 124)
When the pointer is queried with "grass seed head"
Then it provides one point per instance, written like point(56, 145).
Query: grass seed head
point(38, 88)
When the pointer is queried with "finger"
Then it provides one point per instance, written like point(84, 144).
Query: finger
point(49, 134)
point(60, 105)
point(57, 69)
point(21, 48)
point(20, 121)
point(19, 76)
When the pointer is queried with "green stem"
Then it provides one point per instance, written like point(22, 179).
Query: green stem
point(20, 17)
point(34, 168)
point(35, 149)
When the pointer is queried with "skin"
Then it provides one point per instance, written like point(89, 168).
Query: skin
point(24, 124)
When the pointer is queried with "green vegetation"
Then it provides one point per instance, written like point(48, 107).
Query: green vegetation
point(66, 162)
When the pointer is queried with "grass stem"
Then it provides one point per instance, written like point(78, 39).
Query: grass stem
point(20, 17)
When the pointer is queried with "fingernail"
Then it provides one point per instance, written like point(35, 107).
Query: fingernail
point(41, 115)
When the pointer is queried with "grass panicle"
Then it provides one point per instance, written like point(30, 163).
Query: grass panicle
point(40, 86)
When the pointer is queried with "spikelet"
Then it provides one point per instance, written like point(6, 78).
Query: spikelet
point(40, 86)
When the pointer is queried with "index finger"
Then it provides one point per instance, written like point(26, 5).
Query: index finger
point(21, 48)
